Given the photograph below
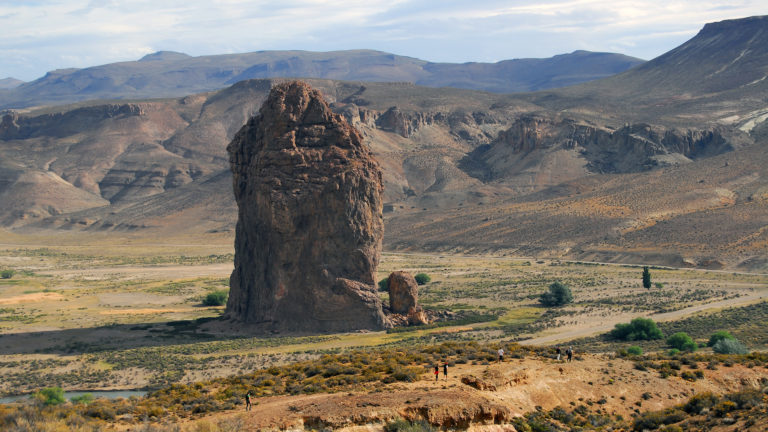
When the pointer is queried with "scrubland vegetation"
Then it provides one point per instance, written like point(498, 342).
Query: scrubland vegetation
point(145, 326)
point(368, 371)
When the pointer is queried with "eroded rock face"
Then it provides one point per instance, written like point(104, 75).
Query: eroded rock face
point(310, 222)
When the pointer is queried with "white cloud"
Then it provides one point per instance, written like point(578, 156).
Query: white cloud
point(37, 36)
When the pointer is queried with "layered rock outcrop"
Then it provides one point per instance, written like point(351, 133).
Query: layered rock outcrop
point(309, 230)
point(632, 148)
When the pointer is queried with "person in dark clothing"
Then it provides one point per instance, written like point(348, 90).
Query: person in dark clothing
point(248, 401)
point(437, 372)
point(445, 370)
point(569, 353)
point(557, 351)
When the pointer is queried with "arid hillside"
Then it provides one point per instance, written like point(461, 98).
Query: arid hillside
point(631, 168)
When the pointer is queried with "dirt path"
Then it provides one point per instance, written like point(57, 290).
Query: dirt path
point(173, 271)
point(564, 334)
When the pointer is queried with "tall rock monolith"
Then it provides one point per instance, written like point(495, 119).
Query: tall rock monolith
point(310, 223)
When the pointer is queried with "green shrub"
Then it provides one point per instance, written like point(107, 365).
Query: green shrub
point(746, 399)
point(422, 278)
point(729, 346)
point(718, 336)
point(7, 274)
point(402, 425)
point(558, 295)
point(637, 329)
point(84, 399)
point(384, 284)
point(635, 350)
point(723, 408)
point(700, 402)
point(51, 396)
point(654, 419)
point(682, 341)
point(216, 298)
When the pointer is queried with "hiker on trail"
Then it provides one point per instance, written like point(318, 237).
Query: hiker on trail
point(569, 353)
point(437, 372)
point(248, 401)
point(501, 355)
point(557, 350)
point(445, 370)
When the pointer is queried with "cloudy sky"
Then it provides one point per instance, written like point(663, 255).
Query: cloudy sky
point(41, 35)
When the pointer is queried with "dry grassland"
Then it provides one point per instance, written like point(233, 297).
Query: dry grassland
point(101, 317)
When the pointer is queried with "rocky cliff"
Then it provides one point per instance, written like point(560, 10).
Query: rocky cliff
point(631, 148)
point(309, 230)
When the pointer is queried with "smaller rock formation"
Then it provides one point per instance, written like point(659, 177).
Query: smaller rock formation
point(404, 297)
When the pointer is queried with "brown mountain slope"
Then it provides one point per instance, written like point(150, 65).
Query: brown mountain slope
point(566, 173)
point(698, 213)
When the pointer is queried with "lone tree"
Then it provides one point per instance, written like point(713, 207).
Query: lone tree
point(646, 278)
point(558, 295)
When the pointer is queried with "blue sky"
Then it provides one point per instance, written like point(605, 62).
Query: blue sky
point(41, 35)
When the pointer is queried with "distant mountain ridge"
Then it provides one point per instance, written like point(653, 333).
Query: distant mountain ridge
point(9, 83)
point(171, 74)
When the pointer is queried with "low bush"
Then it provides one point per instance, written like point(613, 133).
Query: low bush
point(422, 278)
point(635, 350)
point(84, 399)
point(216, 298)
point(384, 284)
point(654, 419)
point(51, 396)
point(700, 402)
point(637, 329)
point(729, 346)
point(718, 336)
point(402, 425)
point(723, 408)
point(746, 399)
point(7, 274)
point(682, 341)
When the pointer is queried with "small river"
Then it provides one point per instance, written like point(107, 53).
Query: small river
point(110, 394)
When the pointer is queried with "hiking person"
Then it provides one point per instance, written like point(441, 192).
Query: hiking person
point(569, 353)
point(248, 401)
point(501, 355)
point(445, 370)
point(557, 350)
point(437, 371)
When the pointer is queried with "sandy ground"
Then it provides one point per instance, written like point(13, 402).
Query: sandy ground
point(28, 298)
point(144, 311)
point(146, 272)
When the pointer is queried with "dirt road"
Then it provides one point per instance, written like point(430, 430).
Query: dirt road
point(566, 333)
